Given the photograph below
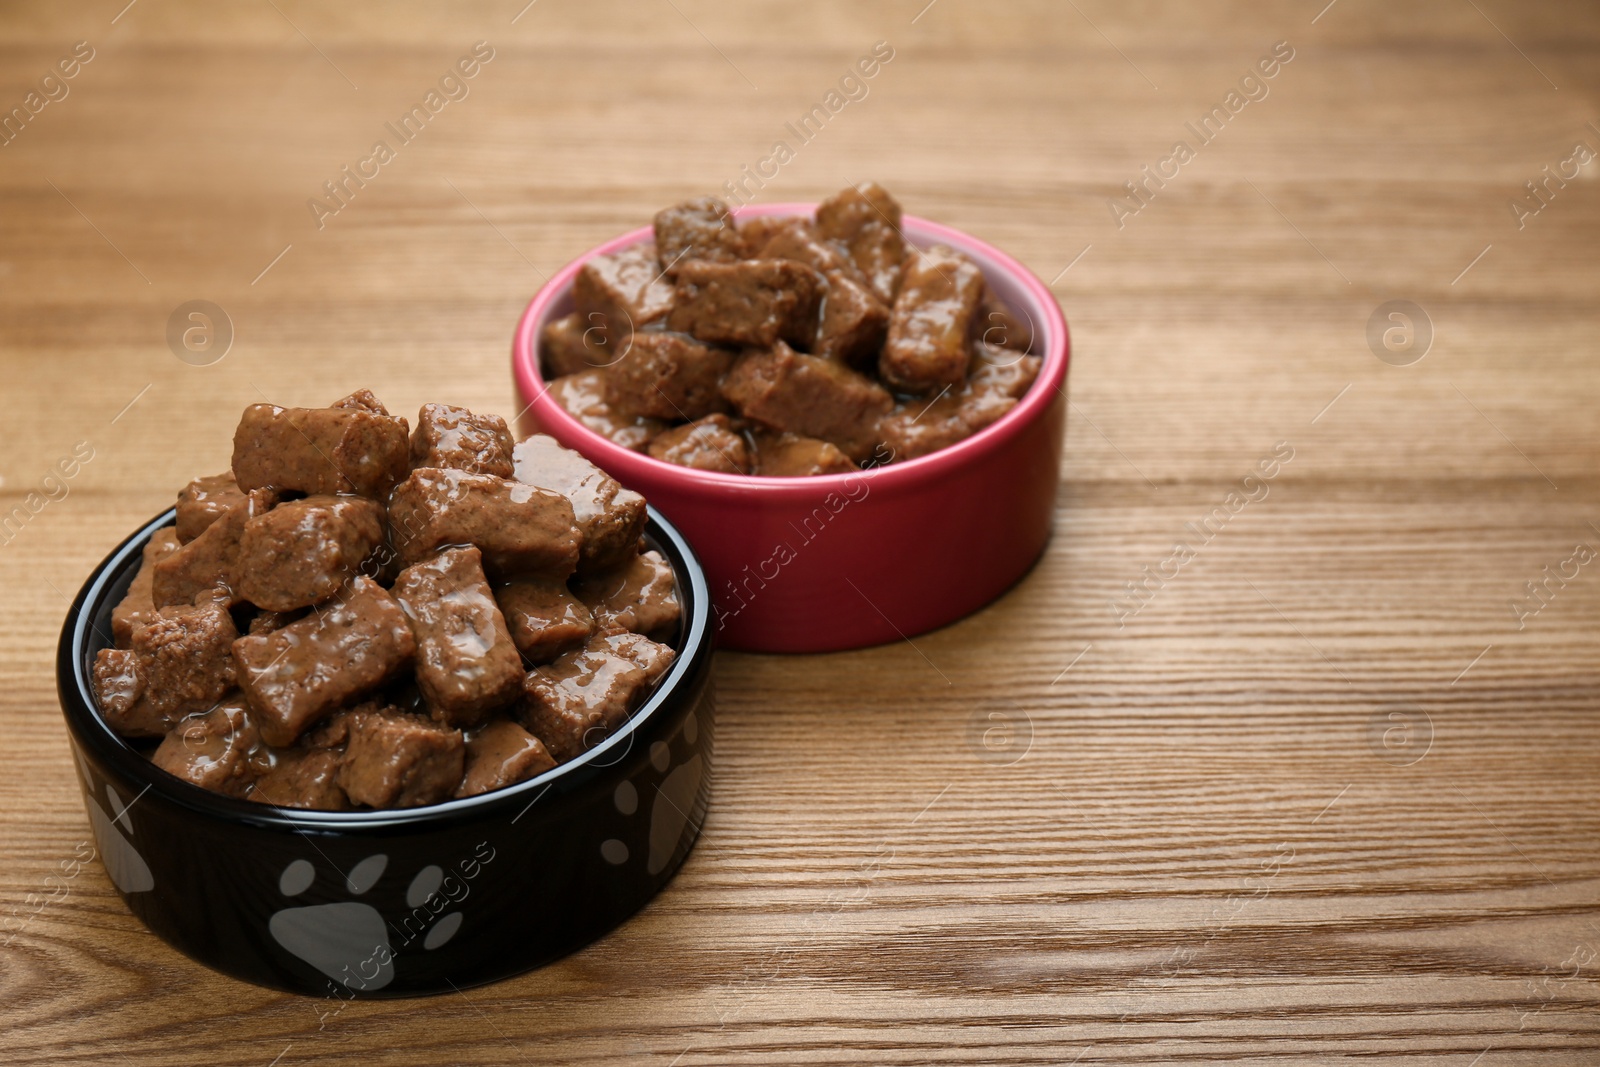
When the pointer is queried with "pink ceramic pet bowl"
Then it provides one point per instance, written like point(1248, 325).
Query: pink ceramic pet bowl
point(849, 560)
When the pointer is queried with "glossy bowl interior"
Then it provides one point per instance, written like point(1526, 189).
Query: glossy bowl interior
point(849, 560)
point(403, 902)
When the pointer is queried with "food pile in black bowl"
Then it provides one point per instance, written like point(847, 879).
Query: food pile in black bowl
point(358, 616)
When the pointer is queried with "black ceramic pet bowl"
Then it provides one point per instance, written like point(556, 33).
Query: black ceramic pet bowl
point(403, 902)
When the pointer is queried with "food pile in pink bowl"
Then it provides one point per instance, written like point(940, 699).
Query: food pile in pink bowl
point(786, 346)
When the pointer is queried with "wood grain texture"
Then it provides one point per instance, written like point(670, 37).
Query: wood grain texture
point(1057, 832)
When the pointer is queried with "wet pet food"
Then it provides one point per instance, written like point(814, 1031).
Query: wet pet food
point(786, 346)
point(359, 615)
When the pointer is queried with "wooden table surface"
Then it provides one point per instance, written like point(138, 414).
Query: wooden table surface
point(1325, 791)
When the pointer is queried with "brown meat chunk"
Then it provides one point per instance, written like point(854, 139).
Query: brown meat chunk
point(362, 400)
point(303, 672)
point(520, 528)
point(757, 230)
point(502, 754)
point(574, 702)
point(186, 655)
point(667, 376)
point(610, 517)
point(919, 427)
point(694, 230)
point(931, 322)
point(852, 325)
point(621, 292)
point(320, 450)
point(334, 731)
point(465, 661)
point(750, 302)
point(571, 345)
point(264, 622)
point(449, 436)
point(641, 596)
point(202, 502)
point(584, 398)
point(138, 606)
point(119, 685)
point(213, 750)
point(545, 618)
point(301, 552)
point(303, 778)
point(177, 664)
point(999, 326)
point(708, 444)
point(1002, 371)
point(982, 408)
point(789, 455)
point(809, 396)
point(866, 220)
point(394, 760)
point(797, 239)
point(210, 561)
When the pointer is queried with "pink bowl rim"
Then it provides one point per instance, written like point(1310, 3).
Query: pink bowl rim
point(641, 467)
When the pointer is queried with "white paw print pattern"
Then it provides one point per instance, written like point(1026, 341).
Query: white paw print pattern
point(669, 813)
point(349, 940)
point(127, 869)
